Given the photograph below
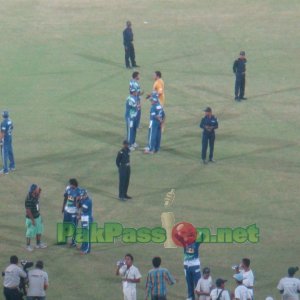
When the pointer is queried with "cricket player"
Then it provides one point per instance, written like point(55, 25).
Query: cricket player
point(157, 117)
point(6, 143)
point(134, 84)
point(130, 277)
point(131, 117)
point(192, 269)
point(69, 209)
point(159, 87)
point(86, 218)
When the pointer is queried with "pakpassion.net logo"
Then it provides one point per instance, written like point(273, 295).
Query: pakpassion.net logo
point(180, 234)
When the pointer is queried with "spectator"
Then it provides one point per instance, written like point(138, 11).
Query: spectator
point(37, 282)
point(289, 286)
point(12, 275)
point(204, 285)
point(156, 281)
point(219, 292)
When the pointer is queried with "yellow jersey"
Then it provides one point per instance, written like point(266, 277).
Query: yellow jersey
point(159, 87)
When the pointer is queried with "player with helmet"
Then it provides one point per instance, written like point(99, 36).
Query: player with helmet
point(157, 117)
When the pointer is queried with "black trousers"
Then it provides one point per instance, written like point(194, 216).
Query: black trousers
point(130, 55)
point(12, 294)
point(240, 83)
point(208, 140)
point(124, 177)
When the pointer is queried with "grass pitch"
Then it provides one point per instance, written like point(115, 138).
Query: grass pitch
point(64, 82)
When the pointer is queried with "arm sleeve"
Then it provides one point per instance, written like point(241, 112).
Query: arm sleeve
point(170, 278)
point(46, 280)
point(148, 285)
point(280, 286)
point(202, 123)
point(137, 274)
point(22, 273)
point(118, 159)
point(198, 286)
point(226, 295)
point(124, 38)
point(217, 124)
point(236, 294)
point(234, 67)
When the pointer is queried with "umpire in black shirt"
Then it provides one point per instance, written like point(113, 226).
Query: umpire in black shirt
point(123, 164)
point(128, 46)
point(239, 69)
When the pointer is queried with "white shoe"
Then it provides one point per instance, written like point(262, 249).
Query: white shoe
point(131, 148)
point(29, 248)
point(41, 246)
point(146, 149)
point(135, 145)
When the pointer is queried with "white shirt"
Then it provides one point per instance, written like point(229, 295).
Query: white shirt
point(204, 285)
point(216, 292)
point(12, 276)
point(37, 279)
point(248, 280)
point(130, 273)
point(290, 286)
point(242, 293)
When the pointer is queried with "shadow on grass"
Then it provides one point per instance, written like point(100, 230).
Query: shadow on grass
point(66, 156)
point(100, 60)
point(103, 136)
point(296, 88)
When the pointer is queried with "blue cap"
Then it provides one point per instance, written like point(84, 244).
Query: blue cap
point(154, 96)
point(5, 114)
point(32, 188)
point(238, 277)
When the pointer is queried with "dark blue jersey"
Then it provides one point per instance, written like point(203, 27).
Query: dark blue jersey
point(71, 196)
point(127, 37)
point(7, 128)
point(209, 124)
point(239, 67)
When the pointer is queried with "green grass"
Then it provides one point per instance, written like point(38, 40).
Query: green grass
point(64, 82)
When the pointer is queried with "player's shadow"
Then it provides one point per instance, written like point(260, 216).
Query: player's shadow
point(296, 88)
point(100, 60)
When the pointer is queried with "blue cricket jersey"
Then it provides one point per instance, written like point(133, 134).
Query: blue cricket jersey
point(191, 254)
point(156, 111)
point(7, 128)
point(131, 107)
point(71, 195)
point(87, 207)
point(135, 85)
